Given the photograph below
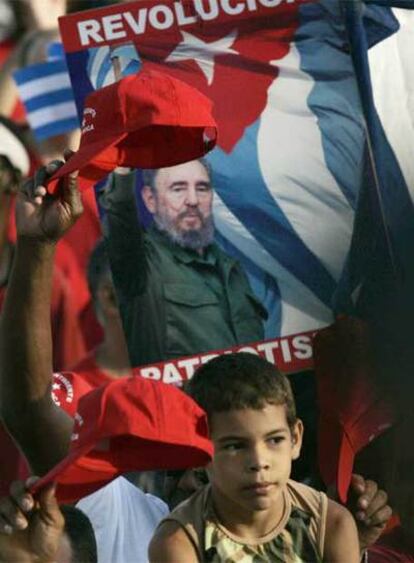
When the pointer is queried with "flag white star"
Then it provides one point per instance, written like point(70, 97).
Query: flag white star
point(193, 48)
point(56, 386)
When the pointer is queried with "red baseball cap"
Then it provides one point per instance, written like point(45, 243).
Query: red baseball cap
point(352, 408)
point(130, 424)
point(146, 120)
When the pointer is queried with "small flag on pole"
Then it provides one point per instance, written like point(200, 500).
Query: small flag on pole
point(47, 95)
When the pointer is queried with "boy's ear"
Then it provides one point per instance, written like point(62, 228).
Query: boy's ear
point(297, 437)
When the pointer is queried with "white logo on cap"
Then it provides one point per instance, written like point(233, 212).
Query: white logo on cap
point(77, 425)
point(88, 115)
point(61, 388)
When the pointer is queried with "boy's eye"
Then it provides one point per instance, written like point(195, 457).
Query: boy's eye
point(276, 439)
point(232, 447)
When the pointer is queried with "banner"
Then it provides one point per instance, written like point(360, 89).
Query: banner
point(286, 173)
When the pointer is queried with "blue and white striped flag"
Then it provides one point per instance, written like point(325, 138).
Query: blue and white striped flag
point(47, 95)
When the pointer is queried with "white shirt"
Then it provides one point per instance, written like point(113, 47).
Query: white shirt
point(124, 519)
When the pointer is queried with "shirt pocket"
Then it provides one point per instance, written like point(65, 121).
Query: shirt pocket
point(195, 320)
point(186, 295)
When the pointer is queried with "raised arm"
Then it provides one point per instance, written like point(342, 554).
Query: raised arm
point(124, 236)
point(138, 292)
point(40, 428)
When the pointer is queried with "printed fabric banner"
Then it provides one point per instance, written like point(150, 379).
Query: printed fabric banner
point(281, 185)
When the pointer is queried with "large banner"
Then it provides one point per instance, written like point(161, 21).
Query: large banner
point(284, 177)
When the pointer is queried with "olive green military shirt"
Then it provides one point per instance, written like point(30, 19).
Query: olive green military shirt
point(174, 302)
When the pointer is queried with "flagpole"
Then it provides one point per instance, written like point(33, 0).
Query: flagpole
point(353, 13)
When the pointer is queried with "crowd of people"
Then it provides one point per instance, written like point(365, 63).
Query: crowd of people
point(142, 471)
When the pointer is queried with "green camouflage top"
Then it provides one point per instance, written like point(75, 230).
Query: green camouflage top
point(299, 537)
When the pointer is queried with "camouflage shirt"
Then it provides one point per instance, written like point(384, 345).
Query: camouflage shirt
point(299, 536)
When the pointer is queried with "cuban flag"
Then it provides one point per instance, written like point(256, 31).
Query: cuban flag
point(378, 276)
point(291, 158)
point(46, 92)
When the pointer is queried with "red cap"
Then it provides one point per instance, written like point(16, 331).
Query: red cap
point(352, 409)
point(130, 424)
point(146, 120)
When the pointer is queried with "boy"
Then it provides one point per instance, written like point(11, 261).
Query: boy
point(251, 511)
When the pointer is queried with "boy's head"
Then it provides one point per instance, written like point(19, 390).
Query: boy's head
point(254, 428)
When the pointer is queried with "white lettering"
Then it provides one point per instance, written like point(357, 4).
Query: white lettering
point(207, 15)
point(182, 18)
point(302, 346)
point(166, 20)
point(111, 25)
point(151, 373)
point(137, 25)
point(287, 356)
point(89, 31)
point(270, 3)
point(232, 10)
point(208, 357)
point(189, 366)
point(268, 348)
point(171, 374)
point(249, 350)
point(251, 5)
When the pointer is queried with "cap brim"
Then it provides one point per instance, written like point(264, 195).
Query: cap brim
point(154, 146)
point(336, 455)
point(93, 162)
point(57, 474)
point(345, 468)
point(85, 470)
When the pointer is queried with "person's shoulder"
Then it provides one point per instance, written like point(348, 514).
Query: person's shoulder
point(341, 534)
point(171, 544)
point(338, 516)
point(307, 497)
point(191, 510)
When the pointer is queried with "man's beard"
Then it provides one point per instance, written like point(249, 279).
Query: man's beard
point(194, 239)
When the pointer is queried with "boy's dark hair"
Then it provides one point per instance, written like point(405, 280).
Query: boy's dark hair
point(238, 381)
point(81, 536)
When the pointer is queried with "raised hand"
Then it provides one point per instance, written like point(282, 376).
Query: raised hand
point(369, 506)
point(30, 529)
point(46, 217)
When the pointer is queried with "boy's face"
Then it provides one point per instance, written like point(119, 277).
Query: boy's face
point(253, 455)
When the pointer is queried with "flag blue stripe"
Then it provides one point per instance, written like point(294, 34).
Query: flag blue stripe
point(49, 99)
point(379, 23)
point(56, 128)
point(40, 70)
point(407, 4)
point(55, 51)
point(258, 211)
point(132, 68)
point(104, 69)
point(264, 286)
point(335, 103)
